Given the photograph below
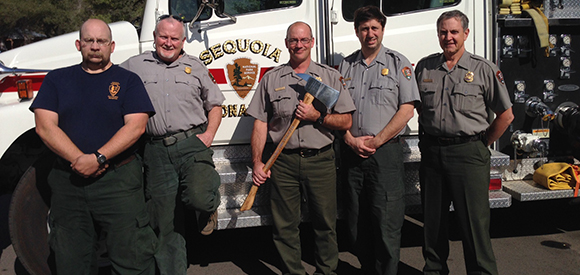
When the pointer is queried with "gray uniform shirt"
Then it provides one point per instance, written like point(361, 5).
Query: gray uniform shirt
point(181, 92)
point(455, 100)
point(378, 89)
point(278, 95)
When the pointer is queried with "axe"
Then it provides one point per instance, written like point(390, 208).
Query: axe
point(314, 89)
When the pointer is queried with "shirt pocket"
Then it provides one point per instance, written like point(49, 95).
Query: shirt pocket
point(282, 103)
point(187, 88)
point(466, 97)
point(381, 90)
point(428, 91)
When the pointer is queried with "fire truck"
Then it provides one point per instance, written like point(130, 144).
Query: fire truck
point(535, 45)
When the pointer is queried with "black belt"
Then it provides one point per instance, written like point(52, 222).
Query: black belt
point(444, 141)
point(171, 139)
point(305, 152)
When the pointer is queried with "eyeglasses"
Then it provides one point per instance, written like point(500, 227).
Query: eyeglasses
point(100, 42)
point(165, 16)
point(294, 41)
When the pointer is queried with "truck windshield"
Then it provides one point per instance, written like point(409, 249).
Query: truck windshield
point(393, 7)
point(186, 9)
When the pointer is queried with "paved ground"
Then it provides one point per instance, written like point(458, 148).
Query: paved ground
point(538, 238)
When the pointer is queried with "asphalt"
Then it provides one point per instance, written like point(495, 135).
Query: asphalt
point(528, 238)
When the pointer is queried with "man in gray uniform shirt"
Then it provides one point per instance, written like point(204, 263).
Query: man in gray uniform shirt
point(457, 88)
point(177, 156)
point(306, 168)
point(384, 91)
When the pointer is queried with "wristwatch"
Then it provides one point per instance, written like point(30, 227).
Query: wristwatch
point(101, 159)
point(320, 119)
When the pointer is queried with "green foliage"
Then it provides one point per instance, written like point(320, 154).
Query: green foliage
point(56, 17)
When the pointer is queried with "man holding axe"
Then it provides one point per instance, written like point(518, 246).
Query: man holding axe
point(305, 168)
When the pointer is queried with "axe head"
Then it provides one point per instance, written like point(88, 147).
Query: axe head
point(324, 93)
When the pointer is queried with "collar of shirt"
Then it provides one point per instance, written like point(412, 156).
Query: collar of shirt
point(311, 70)
point(381, 58)
point(464, 62)
point(183, 59)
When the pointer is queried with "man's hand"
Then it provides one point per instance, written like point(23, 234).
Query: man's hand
point(87, 166)
point(206, 138)
point(258, 175)
point(360, 145)
point(306, 112)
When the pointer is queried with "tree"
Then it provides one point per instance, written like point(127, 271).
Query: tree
point(56, 17)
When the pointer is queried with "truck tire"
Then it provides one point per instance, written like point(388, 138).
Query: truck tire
point(27, 218)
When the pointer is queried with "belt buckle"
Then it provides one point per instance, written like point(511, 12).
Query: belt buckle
point(170, 140)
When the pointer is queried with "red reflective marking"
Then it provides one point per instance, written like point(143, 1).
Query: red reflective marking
point(263, 70)
point(219, 75)
point(8, 84)
point(495, 184)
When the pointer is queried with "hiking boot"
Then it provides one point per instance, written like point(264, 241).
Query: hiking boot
point(211, 224)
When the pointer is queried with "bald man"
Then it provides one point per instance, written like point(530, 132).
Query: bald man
point(305, 169)
point(91, 115)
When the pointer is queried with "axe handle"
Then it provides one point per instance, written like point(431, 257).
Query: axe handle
point(247, 205)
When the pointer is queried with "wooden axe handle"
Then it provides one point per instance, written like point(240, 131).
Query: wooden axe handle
point(247, 205)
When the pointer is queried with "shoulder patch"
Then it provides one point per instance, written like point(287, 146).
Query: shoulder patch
point(499, 76)
point(407, 72)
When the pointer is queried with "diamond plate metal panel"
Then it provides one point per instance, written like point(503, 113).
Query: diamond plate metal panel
point(562, 8)
point(528, 190)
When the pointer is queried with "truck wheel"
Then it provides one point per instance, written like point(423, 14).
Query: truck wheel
point(27, 218)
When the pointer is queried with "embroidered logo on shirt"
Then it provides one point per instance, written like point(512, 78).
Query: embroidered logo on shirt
point(187, 70)
point(114, 88)
point(385, 71)
point(499, 76)
point(468, 77)
point(407, 73)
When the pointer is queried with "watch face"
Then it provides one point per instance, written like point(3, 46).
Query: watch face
point(549, 85)
point(520, 87)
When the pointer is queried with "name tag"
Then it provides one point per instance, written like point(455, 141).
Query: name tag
point(280, 89)
point(427, 80)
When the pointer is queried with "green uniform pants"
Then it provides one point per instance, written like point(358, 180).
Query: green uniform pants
point(185, 167)
point(376, 208)
point(116, 203)
point(458, 173)
point(314, 178)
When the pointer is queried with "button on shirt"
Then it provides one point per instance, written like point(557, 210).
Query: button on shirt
point(181, 92)
point(455, 100)
point(377, 89)
point(278, 95)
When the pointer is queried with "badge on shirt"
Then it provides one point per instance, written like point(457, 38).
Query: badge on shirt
point(187, 70)
point(407, 73)
point(279, 89)
point(499, 76)
point(385, 71)
point(468, 77)
point(428, 80)
point(341, 79)
point(114, 88)
point(210, 76)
